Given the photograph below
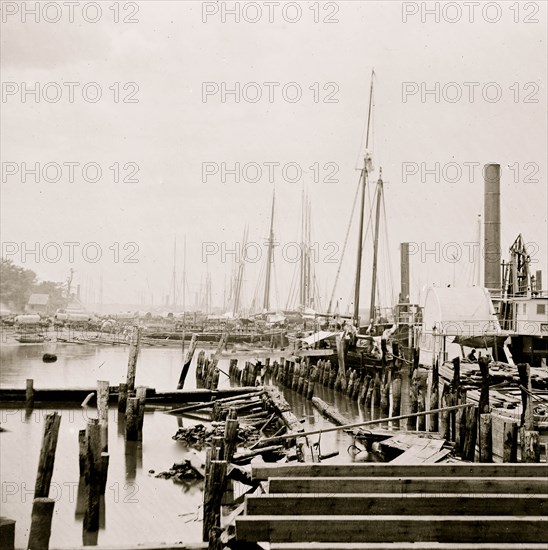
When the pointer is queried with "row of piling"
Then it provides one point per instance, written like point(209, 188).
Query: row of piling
point(397, 387)
point(93, 456)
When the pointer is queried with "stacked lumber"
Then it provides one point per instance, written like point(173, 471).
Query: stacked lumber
point(377, 506)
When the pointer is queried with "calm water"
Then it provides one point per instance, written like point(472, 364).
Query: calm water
point(138, 508)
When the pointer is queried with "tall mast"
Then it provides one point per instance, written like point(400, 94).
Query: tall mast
point(362, 207)
point(69, 285)
point(266, 300)
point(184, 274)
point(240, 275)
point(376, 247)
point(309, 286)
point(174, 274)
point(302, 285)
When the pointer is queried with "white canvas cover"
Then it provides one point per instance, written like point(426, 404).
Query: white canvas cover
point(318, 337)
point(461, 312)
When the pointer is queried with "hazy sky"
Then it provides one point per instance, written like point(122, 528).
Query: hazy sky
point(153, 115)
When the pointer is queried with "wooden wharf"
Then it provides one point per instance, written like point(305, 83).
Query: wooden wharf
point(386, 506)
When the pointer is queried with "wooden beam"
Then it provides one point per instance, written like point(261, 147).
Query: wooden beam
point(403, 546)
point(396, 504)
point(392, 528)
point(75, 396)
point(371, 422)
point(263, 472)
point(150, 546)
point(439, 485)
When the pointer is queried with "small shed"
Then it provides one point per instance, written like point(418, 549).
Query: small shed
point(38, 303)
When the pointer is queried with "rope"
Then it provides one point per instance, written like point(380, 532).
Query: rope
point(530, 393)
point(390, 271)
point(344, 245)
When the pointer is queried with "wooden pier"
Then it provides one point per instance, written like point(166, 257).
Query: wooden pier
point(378, 506)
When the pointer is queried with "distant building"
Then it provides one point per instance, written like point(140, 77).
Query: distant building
point(38, 303)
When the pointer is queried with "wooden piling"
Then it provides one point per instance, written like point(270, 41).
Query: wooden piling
point(213, 491)
point(141, 395)
point(296, 375)
point(187, 361)
point(405, 407)
point(93, 475)
point(132, 360)
point(47, 455)
point(414, 391)
point(311, 382)
point(40, 528)
point(231, 435)
point(470, 416)
point(102, 411)
point(82, 451)
point(527, 420)
point(105, 459)
point(29, 394)
point(363, 396)
point(456, 373)
point(434, 397)
point(122, 397)
point(459, 428)
point(504, 439)
point(421, 407)
point(396, 396)
point(485, 438)
point(7, 534)
point(385, 393)
point(530, 444)
point(132, 419)
point(483, 363)
point(341, 374)
point(215, 379)
point(215, 542)
point(200, 365)
point(445, 424)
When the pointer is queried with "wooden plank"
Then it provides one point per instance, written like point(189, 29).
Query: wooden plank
point(392, 528)
point(440, 455)
point(404, 546)
point(263, 472)
point(515, 485)
point(396, 504)
point(152, 546)
point(418, 454)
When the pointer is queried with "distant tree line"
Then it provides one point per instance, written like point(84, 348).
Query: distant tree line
point(18, 283)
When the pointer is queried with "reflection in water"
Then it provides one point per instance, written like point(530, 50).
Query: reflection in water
point(90, 538)
point(134, 458)
point(102, 512)
point(121, 425)
point(80, 499)
point(348, 448)
point(141, 508)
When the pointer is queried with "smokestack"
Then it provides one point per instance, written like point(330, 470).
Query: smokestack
point(538, 281)
point(491, 243)
point(404, 266)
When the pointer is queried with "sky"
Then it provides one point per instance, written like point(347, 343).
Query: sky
point(194, 120)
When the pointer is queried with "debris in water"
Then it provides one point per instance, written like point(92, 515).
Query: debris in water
point(182, 471)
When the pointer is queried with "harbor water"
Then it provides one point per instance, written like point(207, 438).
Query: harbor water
point(138, 507)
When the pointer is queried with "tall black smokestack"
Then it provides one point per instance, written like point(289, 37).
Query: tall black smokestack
point(404, 265)
point(491, 243)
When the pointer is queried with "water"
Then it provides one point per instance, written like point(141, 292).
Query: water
point(81, 365)
point(138, 508)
